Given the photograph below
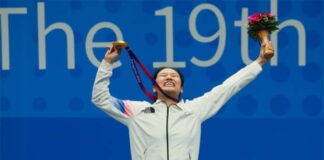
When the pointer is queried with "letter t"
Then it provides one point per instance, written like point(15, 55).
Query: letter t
point(4, 12)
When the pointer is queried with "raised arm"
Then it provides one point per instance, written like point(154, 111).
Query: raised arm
point(117, 109)
point(209, 104)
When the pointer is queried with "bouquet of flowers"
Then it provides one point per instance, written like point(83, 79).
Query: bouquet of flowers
point(260, 23)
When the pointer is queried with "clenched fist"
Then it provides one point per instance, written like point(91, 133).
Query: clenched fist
point(266, 53)
point(112, 54)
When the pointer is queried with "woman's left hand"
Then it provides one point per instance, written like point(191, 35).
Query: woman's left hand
point(266, 53)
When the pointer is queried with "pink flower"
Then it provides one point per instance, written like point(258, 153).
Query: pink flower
point(268, 14)
point(256, 17)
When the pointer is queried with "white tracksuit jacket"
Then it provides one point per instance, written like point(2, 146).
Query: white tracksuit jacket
point(158, 132)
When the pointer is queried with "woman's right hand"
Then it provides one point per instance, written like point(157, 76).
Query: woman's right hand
point(112, 54)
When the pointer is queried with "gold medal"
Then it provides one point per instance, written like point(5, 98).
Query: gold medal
point(120, 44)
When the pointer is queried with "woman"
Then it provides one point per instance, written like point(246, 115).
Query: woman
point(168, 130)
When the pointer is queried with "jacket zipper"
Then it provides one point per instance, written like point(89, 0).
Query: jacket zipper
point(167, 132)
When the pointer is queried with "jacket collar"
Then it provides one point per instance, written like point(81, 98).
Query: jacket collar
point(177, 105)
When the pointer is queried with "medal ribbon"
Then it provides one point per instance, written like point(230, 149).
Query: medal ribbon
point(150, 95)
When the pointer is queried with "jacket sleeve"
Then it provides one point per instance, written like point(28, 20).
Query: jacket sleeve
point(209, 104)
point(121, 110)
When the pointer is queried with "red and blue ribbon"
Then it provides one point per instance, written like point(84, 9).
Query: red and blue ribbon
point(150, 95)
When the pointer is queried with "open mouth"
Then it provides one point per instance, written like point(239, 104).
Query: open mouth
point(169, 84)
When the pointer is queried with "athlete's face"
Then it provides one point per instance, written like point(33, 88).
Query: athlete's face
point(170, 82)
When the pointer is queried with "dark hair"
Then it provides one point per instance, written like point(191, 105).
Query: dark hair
point(161, 68)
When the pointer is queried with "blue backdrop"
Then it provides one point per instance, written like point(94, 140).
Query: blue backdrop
point(50, 51)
